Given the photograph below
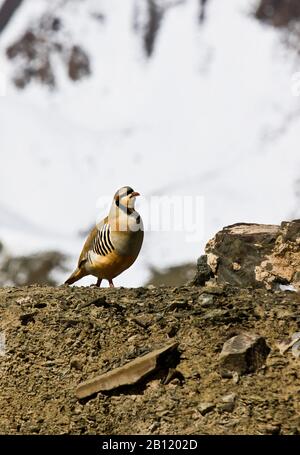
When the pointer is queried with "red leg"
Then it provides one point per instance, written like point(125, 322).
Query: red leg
point(111, 284)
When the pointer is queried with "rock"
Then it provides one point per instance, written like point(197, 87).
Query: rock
point(206, 300)
point(228, 403)
point(296, 350)
point(175, 381)
point(27, 317)
point(76, 363)
point(216, 315)
point(272, 429)
point(173, 329)
point(256, 255)
point(79, 63)
point(230, 398)
point(214, 290)
point(128, 374)
point(235, 377)
point(40, 305)
point(141, 322)
point(23, 300)
point(204, 272)
point(289, 343)
point(282, 265)
point(278, 13)
point(98, 302)
point(244, 353)
point(180, 304)
point(226, 407)
point(174, 376)
point(206, 407)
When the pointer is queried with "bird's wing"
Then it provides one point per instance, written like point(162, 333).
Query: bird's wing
point(98, 242)
point(87, 247)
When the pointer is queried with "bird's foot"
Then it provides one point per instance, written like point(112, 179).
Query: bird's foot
point(96, 285)
point(111, 284)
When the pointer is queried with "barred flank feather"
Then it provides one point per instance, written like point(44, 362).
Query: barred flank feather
point(102, 243)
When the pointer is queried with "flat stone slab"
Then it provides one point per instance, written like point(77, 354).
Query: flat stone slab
point(126, 375)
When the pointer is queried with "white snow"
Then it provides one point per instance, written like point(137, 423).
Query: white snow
point(211, 114)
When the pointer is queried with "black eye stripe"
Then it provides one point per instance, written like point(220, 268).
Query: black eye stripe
point(126, 193)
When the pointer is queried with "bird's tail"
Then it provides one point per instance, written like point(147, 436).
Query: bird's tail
point(76, 275)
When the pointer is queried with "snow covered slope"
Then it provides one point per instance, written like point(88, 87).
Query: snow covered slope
point(203, 116)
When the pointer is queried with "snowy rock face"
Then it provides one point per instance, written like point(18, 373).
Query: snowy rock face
point(51, 35)
point(176, 98)
point(35, 49)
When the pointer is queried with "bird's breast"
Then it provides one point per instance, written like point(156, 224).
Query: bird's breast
point(109, 266)
point(127, 243)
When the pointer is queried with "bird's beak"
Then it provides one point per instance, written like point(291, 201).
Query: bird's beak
point(135, 194)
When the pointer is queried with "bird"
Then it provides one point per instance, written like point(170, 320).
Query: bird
point(114, 243)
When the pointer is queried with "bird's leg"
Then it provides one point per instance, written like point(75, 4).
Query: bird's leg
point(111, 284)
point(96, 285)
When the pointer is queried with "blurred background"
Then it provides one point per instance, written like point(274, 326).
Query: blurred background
point(171, 97)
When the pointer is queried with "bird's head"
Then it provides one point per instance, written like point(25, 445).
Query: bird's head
point(125, 197)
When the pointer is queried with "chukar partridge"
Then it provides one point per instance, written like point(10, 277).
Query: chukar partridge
point(114, 243)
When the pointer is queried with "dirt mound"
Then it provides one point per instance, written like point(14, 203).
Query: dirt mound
point(57, 337)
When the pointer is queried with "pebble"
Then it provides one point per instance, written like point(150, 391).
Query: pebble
point(76, 363)
point(228, 403)
point(244, 353)
point(206, 407)
point(272, 429)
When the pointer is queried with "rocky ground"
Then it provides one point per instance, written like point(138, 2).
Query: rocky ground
point(58, 337)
